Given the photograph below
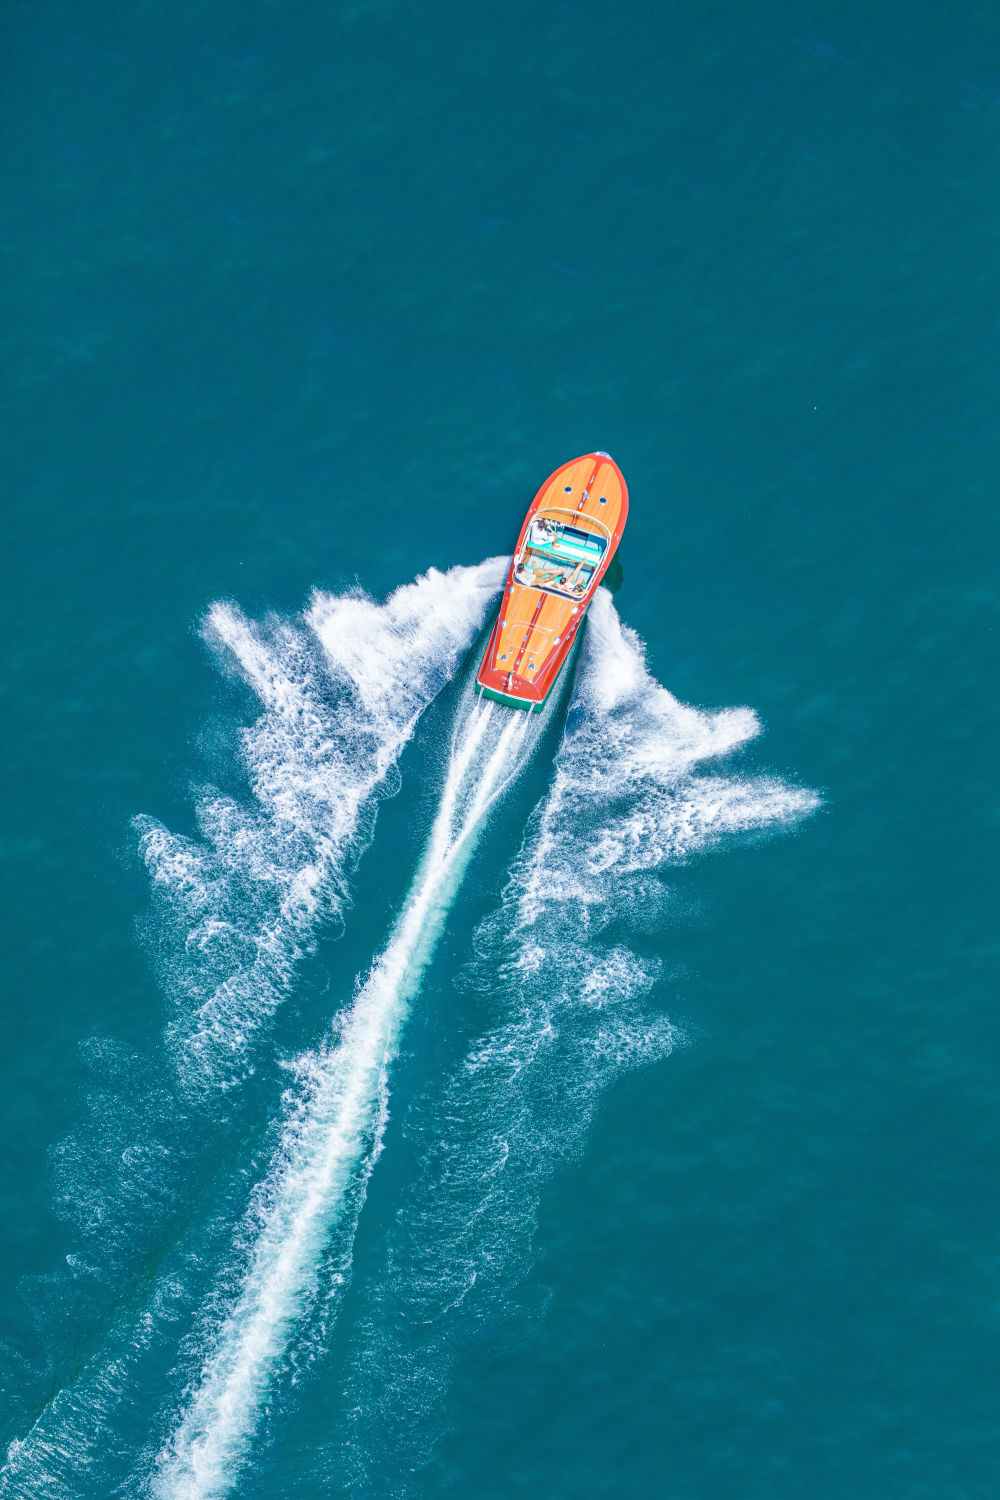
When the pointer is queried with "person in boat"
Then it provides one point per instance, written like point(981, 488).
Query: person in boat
point(574, 583)
point(533, 577)
point(543, 531)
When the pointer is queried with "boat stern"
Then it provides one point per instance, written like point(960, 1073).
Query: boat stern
point(509, 699)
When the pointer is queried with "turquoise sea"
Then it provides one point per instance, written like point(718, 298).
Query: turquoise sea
point(398, 1101)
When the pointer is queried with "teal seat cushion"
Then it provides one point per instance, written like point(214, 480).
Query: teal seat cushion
point(562, 551)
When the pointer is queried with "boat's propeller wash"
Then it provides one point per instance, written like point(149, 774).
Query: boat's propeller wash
point(308, 1205)
point(630, 794)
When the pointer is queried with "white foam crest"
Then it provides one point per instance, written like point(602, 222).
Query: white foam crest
point(333, 1135)
point(342, 691)
point(384, 652)
point(631, 755)
point(637, 788)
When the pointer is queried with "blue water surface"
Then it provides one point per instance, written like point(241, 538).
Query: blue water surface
point(301, 296)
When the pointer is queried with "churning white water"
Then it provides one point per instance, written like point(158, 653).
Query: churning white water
point(333, 1138)
point(637, 788)
point(342, 689)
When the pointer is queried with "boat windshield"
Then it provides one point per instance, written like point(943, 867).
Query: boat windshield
point(559, 559)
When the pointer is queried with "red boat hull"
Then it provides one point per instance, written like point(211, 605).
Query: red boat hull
point(567, 541)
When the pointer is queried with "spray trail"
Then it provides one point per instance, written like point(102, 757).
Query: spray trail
point(342, 689)
point(316, 1188)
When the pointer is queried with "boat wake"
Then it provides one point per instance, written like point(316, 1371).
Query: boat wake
point(234, 915)
point(562, 970)
point(307, 1208)
point(562, 961)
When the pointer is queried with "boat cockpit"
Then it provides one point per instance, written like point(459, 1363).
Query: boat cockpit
point(559, 558)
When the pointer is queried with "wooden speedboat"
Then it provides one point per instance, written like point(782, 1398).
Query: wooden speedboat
point(569, 537)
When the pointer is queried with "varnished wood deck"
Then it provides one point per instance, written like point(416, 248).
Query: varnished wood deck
point(587, 492)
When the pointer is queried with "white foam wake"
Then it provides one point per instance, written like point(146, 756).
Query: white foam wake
point(342, 690)
point(334, 1135)
point(569, 977)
